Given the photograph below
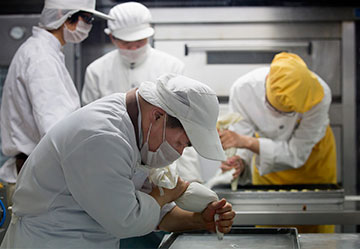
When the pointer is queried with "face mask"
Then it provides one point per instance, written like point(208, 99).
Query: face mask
point(163, 156)
point(79, 34)
point(134, 56)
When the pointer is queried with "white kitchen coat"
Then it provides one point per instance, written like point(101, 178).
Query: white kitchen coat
point(285, 142)
point(109, 74)
point(80, 187)
point(38, 92)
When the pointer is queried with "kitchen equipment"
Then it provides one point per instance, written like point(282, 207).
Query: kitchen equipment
point(315, 204)
point(307, 197)
point(239, 237)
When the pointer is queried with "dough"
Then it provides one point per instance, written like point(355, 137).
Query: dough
point(196, 198)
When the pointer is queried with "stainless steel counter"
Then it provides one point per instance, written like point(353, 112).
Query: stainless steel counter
point(291, 205)
point(336, 217)
point(330, 241)
point(324, 241)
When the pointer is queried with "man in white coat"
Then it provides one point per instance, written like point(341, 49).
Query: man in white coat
point(38, 89)
point(134, 61)
point(85, 185)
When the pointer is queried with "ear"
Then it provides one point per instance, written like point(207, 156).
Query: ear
point(157, 113)
point(112, 39)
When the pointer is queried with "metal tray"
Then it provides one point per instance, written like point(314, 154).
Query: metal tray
point(239, 237)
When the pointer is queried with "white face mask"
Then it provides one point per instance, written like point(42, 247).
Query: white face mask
point(163, 156)
point(135, 56)
point(79, 34)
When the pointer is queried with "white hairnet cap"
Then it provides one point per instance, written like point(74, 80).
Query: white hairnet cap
point(194, 104)
point(131, 22)
point(56, 12)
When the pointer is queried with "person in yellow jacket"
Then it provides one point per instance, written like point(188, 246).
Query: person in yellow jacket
point(285, 125)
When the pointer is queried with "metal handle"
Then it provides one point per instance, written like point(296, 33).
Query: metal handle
point(249, 47)
point(352, 197)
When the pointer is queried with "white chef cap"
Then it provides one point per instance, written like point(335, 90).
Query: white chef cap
point(194, 104)
point(131, 22)
point(56, 12)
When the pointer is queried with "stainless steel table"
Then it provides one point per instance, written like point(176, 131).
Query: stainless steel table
point(343, 217)
point(330, 241)
point(324, 241)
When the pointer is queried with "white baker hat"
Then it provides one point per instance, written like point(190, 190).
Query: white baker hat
point(194, 104)
point(55, 12)
point(131, 22)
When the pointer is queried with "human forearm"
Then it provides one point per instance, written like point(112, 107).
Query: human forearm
point(180, 220)
point(252, 143)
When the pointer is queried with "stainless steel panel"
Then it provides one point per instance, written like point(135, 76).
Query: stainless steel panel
point(272, 200)
point(250, 14)
point(349, 107)
point(250, 238)
point(194, 53)
point(197, 31)
point(329, 241)
point(345, 217)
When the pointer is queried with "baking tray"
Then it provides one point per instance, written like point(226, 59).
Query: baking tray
point(239, 237)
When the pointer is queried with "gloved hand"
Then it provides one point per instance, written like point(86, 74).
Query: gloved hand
point(169, 195)
point(226, 216)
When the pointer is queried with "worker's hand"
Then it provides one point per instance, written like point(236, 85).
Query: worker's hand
point(226, 216)
point(231, 139)
point(234, 162)
point(169, 194)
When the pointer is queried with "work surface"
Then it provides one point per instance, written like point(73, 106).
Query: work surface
point(307, 241)
point(330, 241)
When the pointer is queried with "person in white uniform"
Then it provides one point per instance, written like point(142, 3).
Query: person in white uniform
point(38, 89)
point(285, 125)
point(86, 184)
point(134, 61)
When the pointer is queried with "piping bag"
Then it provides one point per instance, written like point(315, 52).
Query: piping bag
point(224, 123)
point(196, 197)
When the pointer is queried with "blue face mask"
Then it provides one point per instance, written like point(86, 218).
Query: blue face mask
point(163, 156)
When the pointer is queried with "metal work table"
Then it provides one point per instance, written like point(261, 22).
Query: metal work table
point(291, 205)
point(330, 241)
point(323, 241)
point(345, 217)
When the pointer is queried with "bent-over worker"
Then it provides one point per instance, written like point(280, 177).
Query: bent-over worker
point(85, 185)
point(285, 125)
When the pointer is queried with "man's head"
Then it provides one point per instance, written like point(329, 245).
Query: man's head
point(291, 86)
point(193, 105)
point(72, 17)
point(131, 22)
point(130, 30)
